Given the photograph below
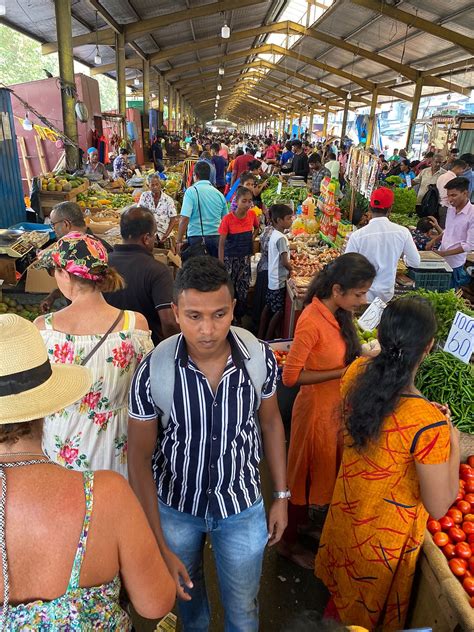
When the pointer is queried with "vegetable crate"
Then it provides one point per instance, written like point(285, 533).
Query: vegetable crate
point(434, 281)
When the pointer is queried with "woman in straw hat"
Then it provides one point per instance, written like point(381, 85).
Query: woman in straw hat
point(91, 434)
point(67, 539)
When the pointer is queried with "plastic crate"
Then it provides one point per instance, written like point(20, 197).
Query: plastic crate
point(434, 281)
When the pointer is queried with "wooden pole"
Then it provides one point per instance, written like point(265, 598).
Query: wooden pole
point(371, 128)
point(414, 112)
point(161, 106)
point(325, 121)
point(146, 87)
point(344, 119)
point(66, 73)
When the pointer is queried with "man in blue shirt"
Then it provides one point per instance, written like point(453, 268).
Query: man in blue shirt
point(220, 163)
point(469, 173)
point(203, 202)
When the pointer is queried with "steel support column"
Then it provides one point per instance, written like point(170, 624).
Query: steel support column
point(121, 85)
point(66, 72)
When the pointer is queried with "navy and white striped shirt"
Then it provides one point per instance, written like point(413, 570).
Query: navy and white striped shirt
point(206, 461)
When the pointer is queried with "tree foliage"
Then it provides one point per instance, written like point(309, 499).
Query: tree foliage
point(21, 61)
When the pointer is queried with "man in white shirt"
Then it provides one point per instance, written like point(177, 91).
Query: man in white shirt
point(457, 168)
point(383, 243)
point(333, 165)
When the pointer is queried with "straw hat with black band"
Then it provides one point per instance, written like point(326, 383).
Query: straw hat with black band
point(30, 387)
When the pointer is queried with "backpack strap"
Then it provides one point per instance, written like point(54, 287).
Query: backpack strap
point(256, 365)
point(162, 374)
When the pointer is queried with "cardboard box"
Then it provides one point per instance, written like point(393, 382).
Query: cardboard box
point(8, 270)
point(161, 255)
point(38, 281)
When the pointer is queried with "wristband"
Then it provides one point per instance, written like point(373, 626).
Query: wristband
point(282, 495)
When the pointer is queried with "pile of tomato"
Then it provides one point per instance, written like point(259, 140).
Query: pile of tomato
point(454, 532)
point(280, 357)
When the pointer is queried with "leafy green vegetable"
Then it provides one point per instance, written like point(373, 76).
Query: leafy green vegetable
point(394, 180)
point(445, 305)
point(444, 379)
point(404, 220)
point(294, 194)
point(405, 201)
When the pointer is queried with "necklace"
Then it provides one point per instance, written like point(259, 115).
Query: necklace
point(3, 454)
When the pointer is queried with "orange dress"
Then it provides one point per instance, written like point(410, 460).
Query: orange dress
point(375, 525)
point(316, 434)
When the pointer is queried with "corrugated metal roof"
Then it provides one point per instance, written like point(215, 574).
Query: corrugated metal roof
point(344, 20)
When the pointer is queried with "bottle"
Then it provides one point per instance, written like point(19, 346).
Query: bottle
point(308, 206)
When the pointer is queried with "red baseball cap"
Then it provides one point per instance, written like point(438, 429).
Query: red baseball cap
point(382, 198)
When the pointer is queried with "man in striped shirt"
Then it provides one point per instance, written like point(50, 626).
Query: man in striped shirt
point(200, 474)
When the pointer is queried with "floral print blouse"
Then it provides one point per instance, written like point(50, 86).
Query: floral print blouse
point(163, 211)
point(92, 433)
point(79, 609)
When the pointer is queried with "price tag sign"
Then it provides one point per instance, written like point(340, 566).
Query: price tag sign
point(279, 186)
point(460, 342)
point(371, 317)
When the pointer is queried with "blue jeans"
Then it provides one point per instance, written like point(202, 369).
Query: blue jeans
point(238, 544)
point(460, 277)
point(212, 243)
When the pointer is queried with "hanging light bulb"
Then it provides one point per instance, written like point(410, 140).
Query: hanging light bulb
point(399, 80)
point(136, 81)
point(97, 58)
point(153, 95)
point(221, 70)
point(219, 87)
point(218, 96)
point(448, 98)
point(225, 32)
point(27, 124)
point(349, 96)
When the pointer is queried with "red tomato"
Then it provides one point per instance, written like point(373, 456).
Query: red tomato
point(463, 506)
point(470, 538)
point(456, 534)
point(470, 460)
point(463, 550)
point(469, 487)
point(455, 514)
point(469, 517)
point(463, 467)
point(471, 564)
point(460, 495)
point(469, 498)
point(462, 484)
point(467, 475)
point(468, 528)
point(468, 585)
point(446, 522)
point(441, 539)
point(449, 552)
point(433, 526)
point(458, 567)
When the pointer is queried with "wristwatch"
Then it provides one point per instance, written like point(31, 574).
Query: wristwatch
point(282, 495)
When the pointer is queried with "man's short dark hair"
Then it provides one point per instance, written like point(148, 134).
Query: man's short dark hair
point(454, 150)
point(279, 211)
point(332, 155)
point(255, 164)
point(71, 212)
point(468, 159)
point(460, 184)
point(135, 222)
point(429, 154)
point(314, 159)
point(204, 274)
point(123, 151)
point(215, 146)
point(246, 176)
point(296, 143)
point(202, 170)
point(459, 163)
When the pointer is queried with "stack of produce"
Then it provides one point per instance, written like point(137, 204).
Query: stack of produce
point(12, 306)
point(172, 184)
point(402, 219)
point(306, 263)
point(280, 357)
point(271, 196)
point(445, 305)
point(454, 532)
point(100, 202)
point(304, 226)
point(60, 181)
point(445, 379)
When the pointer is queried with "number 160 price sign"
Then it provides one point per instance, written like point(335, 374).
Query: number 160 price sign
point(460, 342)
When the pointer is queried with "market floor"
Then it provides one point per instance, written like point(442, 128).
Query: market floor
point(285, 590)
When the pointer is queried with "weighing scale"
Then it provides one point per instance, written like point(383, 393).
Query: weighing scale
point(18, 243)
